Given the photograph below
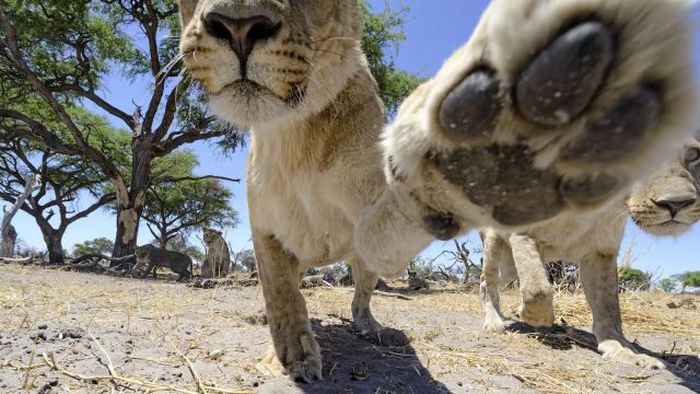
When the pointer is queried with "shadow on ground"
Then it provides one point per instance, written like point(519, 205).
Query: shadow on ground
point(561, 337)
point(352, 364)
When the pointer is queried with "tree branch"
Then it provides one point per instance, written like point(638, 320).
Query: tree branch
point(193, 178)
point(12, 45)
point(171, 107)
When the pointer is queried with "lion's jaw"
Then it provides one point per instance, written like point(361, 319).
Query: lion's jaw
point(289, 76)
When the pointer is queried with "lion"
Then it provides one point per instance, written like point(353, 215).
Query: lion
point(551, 108)
point(217, 262)
point(667, 204)
point(153, 257)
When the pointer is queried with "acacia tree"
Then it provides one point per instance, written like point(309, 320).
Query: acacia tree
point(60, 51)
point(688, 279)
point(65, 181)
point(177, 208)
point(94, 246)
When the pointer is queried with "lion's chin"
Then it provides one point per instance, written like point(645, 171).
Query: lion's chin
point(246, 103)
point(670, 228)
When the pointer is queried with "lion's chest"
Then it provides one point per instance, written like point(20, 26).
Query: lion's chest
point(298, 208)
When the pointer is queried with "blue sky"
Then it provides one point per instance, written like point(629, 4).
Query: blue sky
point(434, 30)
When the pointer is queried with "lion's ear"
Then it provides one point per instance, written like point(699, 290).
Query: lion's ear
point(187, 8)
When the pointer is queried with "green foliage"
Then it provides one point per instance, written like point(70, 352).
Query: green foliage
point(383, 33)
point(634, 279)
point(688, 279)
point(668, 284)
point(94, 246)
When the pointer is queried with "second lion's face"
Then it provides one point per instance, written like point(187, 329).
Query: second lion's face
point(261, 61)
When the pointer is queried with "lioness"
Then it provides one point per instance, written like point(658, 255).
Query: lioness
point(667, 204)
point(552, 107)
point(217, 262)
point(151, 257)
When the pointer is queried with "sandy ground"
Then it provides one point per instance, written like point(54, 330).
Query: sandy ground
point(63, 332)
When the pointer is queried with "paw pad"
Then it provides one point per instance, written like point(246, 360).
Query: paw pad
point(621, 130)
point(470, 110)
point(561, 81)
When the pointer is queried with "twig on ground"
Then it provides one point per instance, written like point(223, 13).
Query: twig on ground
point(25, 385)
point(110, 366)
point(200, 386)
point(50, 360)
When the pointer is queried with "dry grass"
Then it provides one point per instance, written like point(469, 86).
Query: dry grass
point(443, 325)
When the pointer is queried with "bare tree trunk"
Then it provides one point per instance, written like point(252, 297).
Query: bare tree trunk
point(7, 232)
point(7, 244)
point(54, 245)
point(127, 232)
point(130, 204)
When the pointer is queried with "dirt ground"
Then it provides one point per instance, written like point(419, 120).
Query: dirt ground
point(83, 333)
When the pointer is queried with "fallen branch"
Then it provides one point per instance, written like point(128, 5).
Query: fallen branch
point(394, 295)
point(20, 260)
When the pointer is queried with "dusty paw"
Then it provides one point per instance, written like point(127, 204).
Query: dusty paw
point(552, 107)
point(614, 350)
point(270, 365)
point(299, 354)
point(537, 310)
point(493, 323)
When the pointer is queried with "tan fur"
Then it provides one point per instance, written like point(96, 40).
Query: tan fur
point(317, 175)
point(217, 261)
point(594, 242)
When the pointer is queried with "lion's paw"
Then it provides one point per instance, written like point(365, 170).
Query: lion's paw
point(551, 108)
point(299, 355)
point(537, 310)
point(493, 322)
point(614, 350)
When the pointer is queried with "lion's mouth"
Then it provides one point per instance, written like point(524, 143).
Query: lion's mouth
point(668, 227)
point(243, 87)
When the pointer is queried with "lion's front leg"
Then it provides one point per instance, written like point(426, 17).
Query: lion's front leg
point(551, 108)
point(599, 280)
point(287, 317)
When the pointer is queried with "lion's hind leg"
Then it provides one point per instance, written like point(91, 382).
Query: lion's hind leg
point(599, 280)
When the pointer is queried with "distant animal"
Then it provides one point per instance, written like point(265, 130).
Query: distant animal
point(152, 257)
point(217, 262)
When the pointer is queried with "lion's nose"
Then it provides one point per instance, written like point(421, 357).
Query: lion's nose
point(242, 34)
point(675, 204)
